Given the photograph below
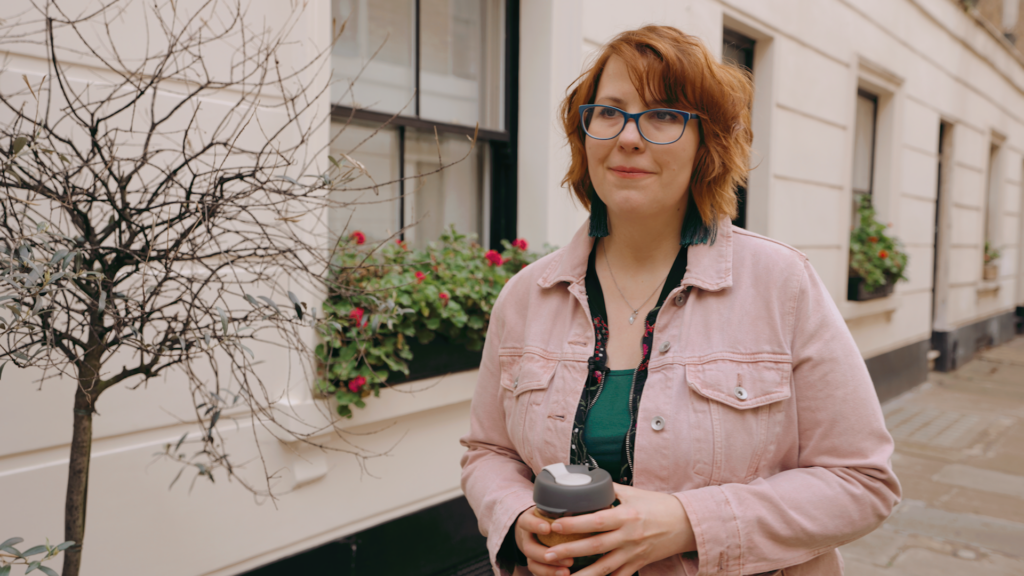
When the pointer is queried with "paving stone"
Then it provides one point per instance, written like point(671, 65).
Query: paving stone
point(980, 502)
point(878, 548)
point(854, 567)
point(923, 562)
point(993, 533)
point(987, 480)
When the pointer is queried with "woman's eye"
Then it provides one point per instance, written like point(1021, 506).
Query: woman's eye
point(665, 116)
point(608, 112)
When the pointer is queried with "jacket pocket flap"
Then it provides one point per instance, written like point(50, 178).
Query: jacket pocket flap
point(741, 385)
point(527, 372)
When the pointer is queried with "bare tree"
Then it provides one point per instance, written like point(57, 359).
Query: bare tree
point(142, 208)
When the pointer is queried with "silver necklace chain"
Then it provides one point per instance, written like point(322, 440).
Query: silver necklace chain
point(636, 310)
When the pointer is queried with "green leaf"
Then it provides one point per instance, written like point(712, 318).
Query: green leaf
point(19, 143)
point(34, 550)
point(48, 571)
point(103, 301)
point(5, 570)
point(251, 355)
point(223, 320)
point(11, 541)
point(176, 446)
point(33, 566)
point(271, 303)
point(65, 545)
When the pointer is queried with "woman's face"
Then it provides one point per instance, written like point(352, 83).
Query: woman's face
point(633, 177)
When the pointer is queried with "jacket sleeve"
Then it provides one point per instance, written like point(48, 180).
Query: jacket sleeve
point(843, 487)
point(495, 480)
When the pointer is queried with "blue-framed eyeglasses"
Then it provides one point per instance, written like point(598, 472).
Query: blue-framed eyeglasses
point(657, 126)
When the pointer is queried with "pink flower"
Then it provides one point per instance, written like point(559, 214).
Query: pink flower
point(420, 276)
point(356, 384)
point(356, 315)
point(358, 236)
point(444, 298)
point(493, 258)
point(520, 243)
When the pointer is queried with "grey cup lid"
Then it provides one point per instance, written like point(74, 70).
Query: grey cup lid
point(572, 495)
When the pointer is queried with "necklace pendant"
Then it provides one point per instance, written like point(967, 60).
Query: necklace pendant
point(632, 317)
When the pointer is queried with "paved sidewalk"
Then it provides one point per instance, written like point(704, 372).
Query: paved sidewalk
point(960, 458)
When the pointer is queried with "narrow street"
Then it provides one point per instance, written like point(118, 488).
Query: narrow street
point(960, 458)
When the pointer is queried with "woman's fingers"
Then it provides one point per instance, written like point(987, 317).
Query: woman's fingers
point(531, 523)
point(602, 521)
point(591, 546)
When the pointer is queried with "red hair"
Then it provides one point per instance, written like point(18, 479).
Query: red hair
point(675, 70)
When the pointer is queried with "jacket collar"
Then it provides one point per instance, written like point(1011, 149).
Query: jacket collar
point(708, 267)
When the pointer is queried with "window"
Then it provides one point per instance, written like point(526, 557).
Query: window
point(738, 50)
point(993, 205)
point(864, 144)
point(420, 76)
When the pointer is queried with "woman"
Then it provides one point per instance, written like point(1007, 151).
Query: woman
point(705, 367)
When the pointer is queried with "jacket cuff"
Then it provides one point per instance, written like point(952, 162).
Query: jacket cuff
point(716, 529)
point(505, 515)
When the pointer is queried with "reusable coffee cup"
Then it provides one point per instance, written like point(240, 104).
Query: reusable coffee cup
point(573, 490)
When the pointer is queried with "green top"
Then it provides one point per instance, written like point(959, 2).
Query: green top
point(608, 422)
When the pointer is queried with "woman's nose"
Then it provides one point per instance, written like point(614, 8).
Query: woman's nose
point(630, 136)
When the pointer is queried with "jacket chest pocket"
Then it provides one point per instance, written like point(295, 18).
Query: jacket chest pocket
point(734, 414)
point(525, 379)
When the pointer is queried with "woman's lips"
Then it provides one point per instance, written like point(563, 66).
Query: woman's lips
point(629, 172)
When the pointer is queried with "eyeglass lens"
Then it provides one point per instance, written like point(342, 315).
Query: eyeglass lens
point(658, 126)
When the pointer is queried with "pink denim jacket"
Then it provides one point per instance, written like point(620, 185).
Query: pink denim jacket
point(758, 413)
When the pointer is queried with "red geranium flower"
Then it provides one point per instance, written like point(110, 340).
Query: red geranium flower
point(444, 298)
point(883, 254)
point(358, 236)
point(357, 383)
point(356, 315)
point(872, 239)
point(420, 276)
point(493, 258)
point(401, 243)
point(520, 243)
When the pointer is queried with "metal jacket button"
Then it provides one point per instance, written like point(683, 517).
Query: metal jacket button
point(680, 299)
point(665, 346)
point(740, 393)
point(516, 383)
point(658, 423)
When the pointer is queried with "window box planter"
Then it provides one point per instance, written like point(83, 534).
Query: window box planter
point(856, 292)
point(437, 358)
point(990, 272)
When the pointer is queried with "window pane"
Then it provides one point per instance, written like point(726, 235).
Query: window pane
point(863, 144)
point(387, 83)
point(375, 215)
point(461, 58)
point(452, 196)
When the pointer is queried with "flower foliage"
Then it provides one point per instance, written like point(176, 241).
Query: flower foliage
point(991, 254)
point(387, 294)
point(874, 256)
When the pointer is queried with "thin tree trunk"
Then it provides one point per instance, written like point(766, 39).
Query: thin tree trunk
point(78, 482)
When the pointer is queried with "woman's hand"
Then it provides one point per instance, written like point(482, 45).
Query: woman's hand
point(528, 525)
point(644, 528)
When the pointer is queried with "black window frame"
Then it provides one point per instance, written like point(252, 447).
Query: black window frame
point(745, 45)
point(501, 143)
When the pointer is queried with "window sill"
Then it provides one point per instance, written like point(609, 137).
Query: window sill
point(852, 310)
point(987, 286)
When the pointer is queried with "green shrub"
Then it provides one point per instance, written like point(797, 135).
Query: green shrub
point(874, 256)
point(386, 294)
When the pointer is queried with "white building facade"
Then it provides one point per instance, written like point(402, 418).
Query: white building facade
point(915, 102)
